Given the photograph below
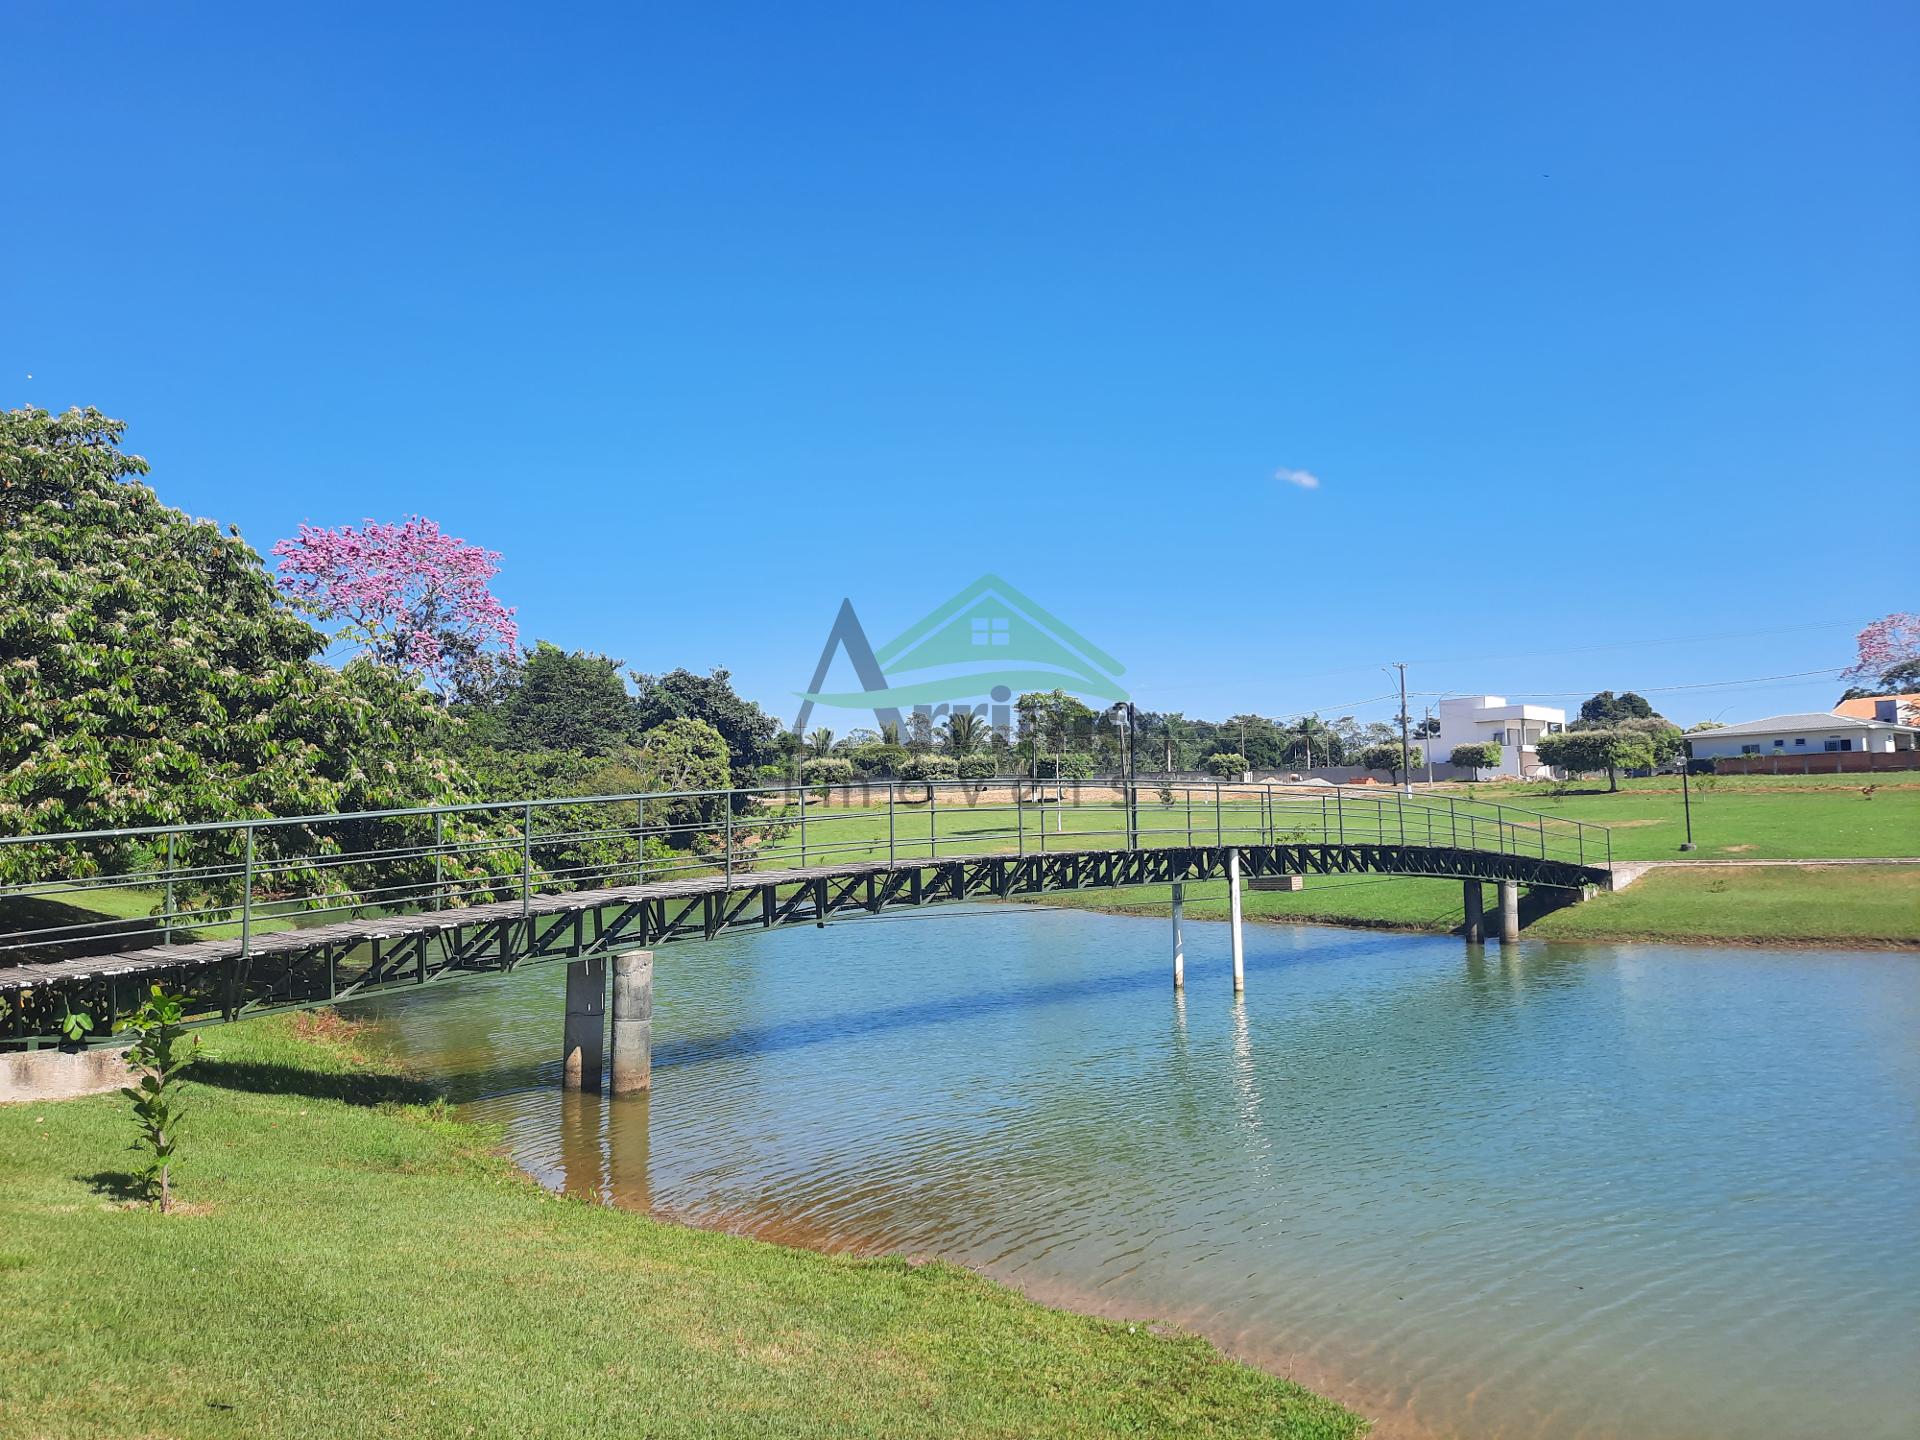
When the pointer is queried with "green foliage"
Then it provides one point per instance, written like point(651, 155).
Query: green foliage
point(965, 732)
point(976, 766)
point(1606, 710)
point(161, 1052)
point(878, 758)
point(556, 699)
point(1385, 756)
point(1073, 765)
point(75, 1025)
point(1591, 750)
point(150, 673)
point(684, 754)
point(1483, 756)
point(1227, 765)
point(826, 770)
point(929, 767)
point(681, 695)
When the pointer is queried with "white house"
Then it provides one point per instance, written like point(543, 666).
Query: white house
point(1801, 735)
point(1476, 719)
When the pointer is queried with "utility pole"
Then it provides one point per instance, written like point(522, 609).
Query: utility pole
point(1426, 737)
point(1406, 770)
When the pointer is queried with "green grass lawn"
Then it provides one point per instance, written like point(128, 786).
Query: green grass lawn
point(357, 1263)
point(1858, 905)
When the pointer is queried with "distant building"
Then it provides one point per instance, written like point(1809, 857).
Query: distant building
point(1898, 709)
point(1813, 733)
point(1476, 719)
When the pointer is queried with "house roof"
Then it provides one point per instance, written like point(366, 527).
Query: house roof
point(1862, 708)
point(1810, 722)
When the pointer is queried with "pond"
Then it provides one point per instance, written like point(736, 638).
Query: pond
point(1596, 1190)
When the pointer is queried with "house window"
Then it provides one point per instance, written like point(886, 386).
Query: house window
point(1554, 727)
point(990, 632)
point(1802, 740)
point(1779, 744)
point(1749, 749)
point(1833, 744)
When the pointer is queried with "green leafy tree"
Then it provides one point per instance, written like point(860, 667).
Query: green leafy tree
point(878, 759)
point(685, 754)
point(1606, 709)
point(151, 674)
point(826, 770)
point(1482, 756)
point(1386, 756)
point(820, 742)
point(1587, 751)
point(1226, 764)
point(929, 767)
point(162, 1050)
point(556, 699)
point(747, 729)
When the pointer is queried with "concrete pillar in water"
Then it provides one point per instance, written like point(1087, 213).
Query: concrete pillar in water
point(1475, 898)
point(1179, 943)
point(1233, 913)
point(582, 1043)
point(1509, 911)
point(632, 1022)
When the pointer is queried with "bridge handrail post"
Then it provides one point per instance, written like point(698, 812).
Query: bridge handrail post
point(1500, 829)
point(1609, 847)
point(1340, 812)
point(1188, 790)
point(726, 799)
point(1400, 805)
point(526, 858)
point(439, 860)
point(1019, 819)
point(1453, 821)
point(890, 845)
point(166, 932)
point(933, 822)
point(1219, 831)
point(1580, 837)
point(1543, 837)
point(246, 902)
point(803, 827)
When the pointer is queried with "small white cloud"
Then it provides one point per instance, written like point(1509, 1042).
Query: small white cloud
point(1305, 479)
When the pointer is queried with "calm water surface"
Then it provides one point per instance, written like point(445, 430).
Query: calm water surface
point(1593, 1191)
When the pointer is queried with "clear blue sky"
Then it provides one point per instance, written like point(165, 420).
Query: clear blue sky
point(1597, 328)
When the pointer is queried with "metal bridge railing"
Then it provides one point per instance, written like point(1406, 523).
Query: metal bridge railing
point(102, 891)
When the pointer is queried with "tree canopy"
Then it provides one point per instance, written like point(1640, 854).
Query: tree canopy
point(556, 699)
point(154, 675)
point(1606, 709)
point(747, 729)
point(1590, 750)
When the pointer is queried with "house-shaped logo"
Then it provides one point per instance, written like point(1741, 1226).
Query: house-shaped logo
point(975, 652)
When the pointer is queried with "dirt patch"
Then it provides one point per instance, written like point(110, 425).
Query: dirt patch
point(329, 1026)
point(1735, 849)
point(1630, 824)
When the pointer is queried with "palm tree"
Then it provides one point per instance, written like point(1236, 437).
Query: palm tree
point(963, 732)
point(820, 741)
point(890, 733)
point(1312, 732)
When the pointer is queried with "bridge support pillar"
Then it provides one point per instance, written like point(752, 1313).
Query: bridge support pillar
point(1179, 941)
point(1475, 900)
point(632, 1022)
point(1233, 914)
point(1509, 911)
point(582, 1044)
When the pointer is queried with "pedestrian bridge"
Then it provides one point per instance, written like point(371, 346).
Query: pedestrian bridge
point(247, 916)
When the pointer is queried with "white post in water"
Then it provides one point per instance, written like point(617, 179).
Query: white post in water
point(632, 1022)
point(1233, 912)
point(583, 1042)
point(1179, 943)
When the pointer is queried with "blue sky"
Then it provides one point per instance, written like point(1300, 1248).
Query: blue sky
point(1596, 328)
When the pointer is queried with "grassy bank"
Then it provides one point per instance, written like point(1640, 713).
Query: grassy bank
point(1855, 905)
point(359, 1263)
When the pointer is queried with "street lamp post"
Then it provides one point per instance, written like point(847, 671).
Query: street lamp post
point(1686, 795)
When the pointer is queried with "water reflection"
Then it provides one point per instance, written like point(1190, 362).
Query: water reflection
point(1490, 1191)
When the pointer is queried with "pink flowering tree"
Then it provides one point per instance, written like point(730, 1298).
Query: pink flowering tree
point(1891, 643)
point(410, 595)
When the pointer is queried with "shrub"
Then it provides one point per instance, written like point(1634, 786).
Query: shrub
point(976, 767)
point(928, 767)
point(1485, 756)
point(826, 770)
point(1227, 765)
point(1074, 765)
point(878, 758)
point(161, 1050)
